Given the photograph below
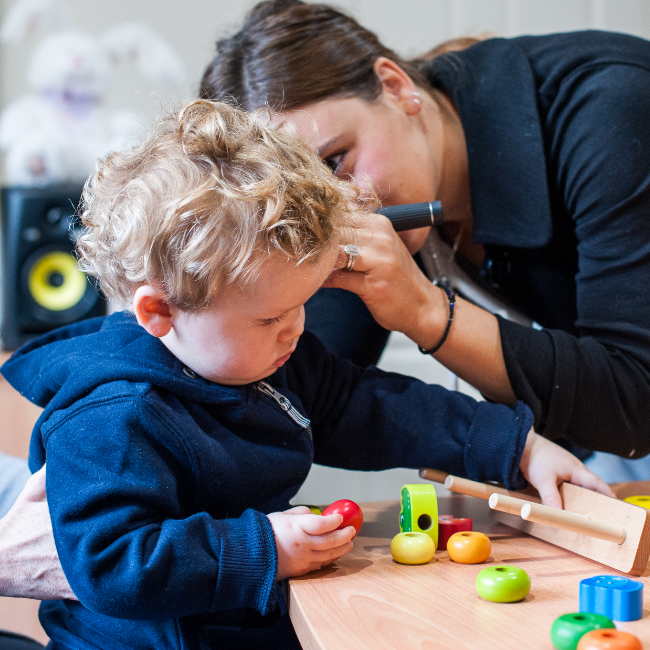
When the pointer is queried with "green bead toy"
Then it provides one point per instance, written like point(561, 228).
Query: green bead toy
point(568, 629)
point(503, 584)
point(419, 513)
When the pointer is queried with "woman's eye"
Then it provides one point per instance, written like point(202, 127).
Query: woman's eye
point(335, 162)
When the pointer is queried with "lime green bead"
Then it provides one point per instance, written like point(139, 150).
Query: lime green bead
point(567, 630)
point(503, 584)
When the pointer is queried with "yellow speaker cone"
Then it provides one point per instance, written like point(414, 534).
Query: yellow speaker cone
point(55, 282)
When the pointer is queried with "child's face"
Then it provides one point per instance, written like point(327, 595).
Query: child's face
point(247, 333)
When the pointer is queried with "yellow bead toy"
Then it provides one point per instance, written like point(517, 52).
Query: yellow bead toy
point(641, 500)
point(412, 548)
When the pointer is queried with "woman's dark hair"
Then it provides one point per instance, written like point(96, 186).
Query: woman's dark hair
point(289, 53)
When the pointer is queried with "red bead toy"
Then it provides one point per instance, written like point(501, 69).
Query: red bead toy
point(448, 525)
point(352, 515)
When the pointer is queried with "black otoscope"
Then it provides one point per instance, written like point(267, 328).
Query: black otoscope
point(414, 215)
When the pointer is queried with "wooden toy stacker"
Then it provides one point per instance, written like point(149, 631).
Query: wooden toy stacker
point(609, 531)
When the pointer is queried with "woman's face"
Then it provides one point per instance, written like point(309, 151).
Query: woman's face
point(387, 142)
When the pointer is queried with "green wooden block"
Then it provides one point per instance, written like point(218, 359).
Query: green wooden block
point(419, 513)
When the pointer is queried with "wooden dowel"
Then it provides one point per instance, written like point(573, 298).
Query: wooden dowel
point(507, 504)
point(572, 522)
point(513, 505)
point(434, 475)
point(481, 490)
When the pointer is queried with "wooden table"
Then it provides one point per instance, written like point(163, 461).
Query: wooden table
point(365, 600)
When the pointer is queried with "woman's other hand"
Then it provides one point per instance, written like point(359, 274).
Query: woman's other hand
point(29, 564)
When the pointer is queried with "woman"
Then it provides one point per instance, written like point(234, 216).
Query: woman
point(538, 148)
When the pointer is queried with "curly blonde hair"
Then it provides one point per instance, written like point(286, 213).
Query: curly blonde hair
point(202, 201)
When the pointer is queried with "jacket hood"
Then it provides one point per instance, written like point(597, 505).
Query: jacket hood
point(70, 362)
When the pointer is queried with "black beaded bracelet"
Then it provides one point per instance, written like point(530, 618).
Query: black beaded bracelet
point(451, 296)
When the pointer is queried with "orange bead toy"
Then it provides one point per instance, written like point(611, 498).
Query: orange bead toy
point(605, 639)
point(469, 547)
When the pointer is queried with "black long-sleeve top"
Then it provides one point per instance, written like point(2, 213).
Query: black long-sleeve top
point(558, 139)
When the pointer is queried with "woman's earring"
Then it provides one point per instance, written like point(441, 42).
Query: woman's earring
point(416, 98)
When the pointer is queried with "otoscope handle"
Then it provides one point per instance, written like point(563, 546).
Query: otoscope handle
point(413, 215)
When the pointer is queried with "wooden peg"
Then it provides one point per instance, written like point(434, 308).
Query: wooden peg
point(504, 503)
point(572, 522)
point(631, 556)
point(434, 475)
point(472, 488)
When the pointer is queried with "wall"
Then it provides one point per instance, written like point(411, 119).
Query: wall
point(408, 26)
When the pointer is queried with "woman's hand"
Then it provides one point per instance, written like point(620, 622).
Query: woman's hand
point(29, 563)
point(545, 465)
point(305, 542)
point(399, 296)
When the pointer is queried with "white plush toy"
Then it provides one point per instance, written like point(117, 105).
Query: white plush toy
point(56, 132)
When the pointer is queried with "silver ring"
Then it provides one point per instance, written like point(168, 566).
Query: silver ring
point(352, 251)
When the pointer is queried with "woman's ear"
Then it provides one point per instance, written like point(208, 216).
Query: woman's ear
point(398, 85)
point(152, 311)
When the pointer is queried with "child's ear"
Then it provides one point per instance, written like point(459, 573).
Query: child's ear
point(152, 311)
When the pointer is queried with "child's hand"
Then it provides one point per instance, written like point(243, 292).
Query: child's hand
point(306, 542)
point(546, 464)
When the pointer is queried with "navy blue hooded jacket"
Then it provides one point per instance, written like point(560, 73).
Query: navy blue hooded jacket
point(158, 481)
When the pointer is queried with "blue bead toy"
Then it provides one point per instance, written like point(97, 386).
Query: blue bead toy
point(618, 598)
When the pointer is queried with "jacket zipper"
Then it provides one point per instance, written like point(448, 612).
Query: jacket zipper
point(284, 403)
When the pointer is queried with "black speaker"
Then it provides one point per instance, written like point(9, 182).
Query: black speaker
point(42, 288)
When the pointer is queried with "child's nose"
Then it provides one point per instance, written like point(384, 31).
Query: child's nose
point(295, 328)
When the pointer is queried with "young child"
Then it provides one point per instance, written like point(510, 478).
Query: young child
point(176, 436)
